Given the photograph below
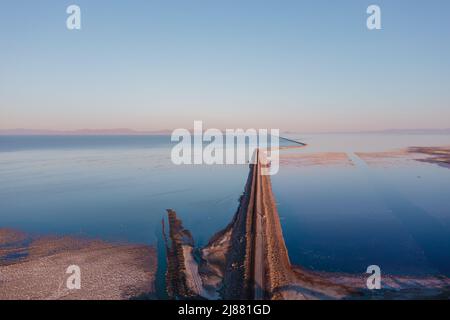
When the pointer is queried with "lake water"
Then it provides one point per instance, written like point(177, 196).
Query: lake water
point(115, 188)
point(335, 218)
point(345, 218)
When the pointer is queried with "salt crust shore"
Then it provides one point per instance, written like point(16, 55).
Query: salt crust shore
point(433, 155)
point(315, 159)
point(35, 268)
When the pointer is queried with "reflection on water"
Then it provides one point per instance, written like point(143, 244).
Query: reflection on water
point(117, 192)
point(345, 218)
point(334, 218)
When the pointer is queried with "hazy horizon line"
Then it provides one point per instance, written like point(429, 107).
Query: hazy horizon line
point(128, 131)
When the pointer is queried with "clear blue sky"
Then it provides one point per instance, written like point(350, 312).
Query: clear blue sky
point(294, 65)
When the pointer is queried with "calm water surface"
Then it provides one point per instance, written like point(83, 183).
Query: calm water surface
point(334, 218)
point(116, 188)
point(345, 218)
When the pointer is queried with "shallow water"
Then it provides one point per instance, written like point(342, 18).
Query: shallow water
point(334, 218)
point(112, 191)
point(346, 217)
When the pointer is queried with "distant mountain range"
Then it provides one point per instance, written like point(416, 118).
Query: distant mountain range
point(85, 132)
point(125, 131)
point(386, 131)
point(416, 131)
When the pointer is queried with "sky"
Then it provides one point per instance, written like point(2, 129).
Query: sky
point(294, 65)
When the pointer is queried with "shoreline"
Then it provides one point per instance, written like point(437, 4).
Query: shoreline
point(108, 271)
point(249, 260)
